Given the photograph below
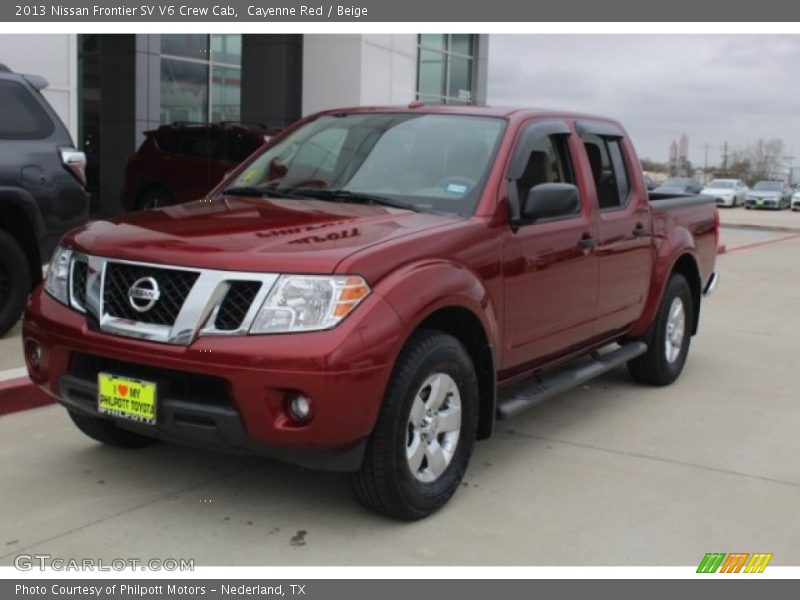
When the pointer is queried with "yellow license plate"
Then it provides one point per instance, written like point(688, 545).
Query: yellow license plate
point(126, 398)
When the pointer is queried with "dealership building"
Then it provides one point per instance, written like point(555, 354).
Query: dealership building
point(109, 89)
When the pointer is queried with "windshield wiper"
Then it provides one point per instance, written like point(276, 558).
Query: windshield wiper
point(254, 190)
point(350, 196)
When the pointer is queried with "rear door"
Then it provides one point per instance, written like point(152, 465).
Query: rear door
point(550, 267)
point(624, 250)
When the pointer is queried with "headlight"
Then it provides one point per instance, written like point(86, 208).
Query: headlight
point(308, 303)
point(57, 280)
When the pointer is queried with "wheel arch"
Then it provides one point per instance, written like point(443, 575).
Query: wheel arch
point(18, 223)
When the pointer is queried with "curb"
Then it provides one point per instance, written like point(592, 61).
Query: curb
point(21, 394)
point(775, 228)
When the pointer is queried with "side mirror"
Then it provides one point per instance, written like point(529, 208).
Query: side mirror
point(551, 200)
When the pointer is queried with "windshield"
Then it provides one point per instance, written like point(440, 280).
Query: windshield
point(422, 161)
point(721, 184)
point(769, 186)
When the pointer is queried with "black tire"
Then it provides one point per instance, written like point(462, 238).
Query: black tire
point(654, 367)
point(15, 281)
point(105, 431)
point(154, 198)
point(385, 483)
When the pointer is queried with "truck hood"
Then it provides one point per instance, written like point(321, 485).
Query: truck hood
point(251, 234)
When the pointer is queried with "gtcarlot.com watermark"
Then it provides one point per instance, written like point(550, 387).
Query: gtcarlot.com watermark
point(43, 562)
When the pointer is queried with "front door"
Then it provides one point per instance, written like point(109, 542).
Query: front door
point(550, 265)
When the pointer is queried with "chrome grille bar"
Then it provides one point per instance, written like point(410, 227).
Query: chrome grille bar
point(196, 316)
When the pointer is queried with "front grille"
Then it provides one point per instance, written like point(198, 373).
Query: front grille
point(174, 287)
point(235, 304)
point(79, 270)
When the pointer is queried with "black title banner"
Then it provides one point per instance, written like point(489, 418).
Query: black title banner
point(397, 11)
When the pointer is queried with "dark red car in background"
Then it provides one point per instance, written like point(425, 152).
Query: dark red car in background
point(183, 161)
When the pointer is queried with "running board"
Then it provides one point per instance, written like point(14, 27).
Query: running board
point(538, 390)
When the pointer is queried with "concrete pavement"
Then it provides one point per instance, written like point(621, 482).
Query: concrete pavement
point(613, 473)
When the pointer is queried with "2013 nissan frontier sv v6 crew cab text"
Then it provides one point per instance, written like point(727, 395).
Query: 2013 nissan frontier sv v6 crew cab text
point(372, 289)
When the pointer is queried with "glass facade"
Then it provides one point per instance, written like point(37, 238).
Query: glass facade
point(201, 78)
point(446, 68)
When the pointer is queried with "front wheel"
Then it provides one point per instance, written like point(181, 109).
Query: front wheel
point(423, 440)
point(668, 338)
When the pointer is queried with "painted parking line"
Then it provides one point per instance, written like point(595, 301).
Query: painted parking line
point(762, 243)
point(7, 374)
point(21, 394)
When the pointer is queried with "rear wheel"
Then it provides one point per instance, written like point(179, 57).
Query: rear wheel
point(105, 431)
point(15, 281)
point(423, 440)
point(668, 338)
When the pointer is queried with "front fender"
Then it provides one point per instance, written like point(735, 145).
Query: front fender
point(420, 289)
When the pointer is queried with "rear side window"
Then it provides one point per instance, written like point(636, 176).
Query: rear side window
point(168, 141)
point(238, 146)
point(21, 116)
point(607, 160)
point(200, 144)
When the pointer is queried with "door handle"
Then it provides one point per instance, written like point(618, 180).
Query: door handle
point(587, 241)
point(641, 231)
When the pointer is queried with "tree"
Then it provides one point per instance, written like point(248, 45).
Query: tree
point(762, 159)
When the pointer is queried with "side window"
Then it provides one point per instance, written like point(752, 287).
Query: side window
point(548, 162)
point(200, 143)
point(610, 175)
point(21, 117)
point(168, 141)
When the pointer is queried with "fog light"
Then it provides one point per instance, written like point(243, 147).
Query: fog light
point(300, 407)
point(34, 352)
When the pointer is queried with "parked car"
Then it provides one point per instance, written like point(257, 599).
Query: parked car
point(769, 194)
point(796, 200)
point(649, 182)
point(181, 162)
point(42, 188)
point(679, 185)
point(372, 289)
point(727, 192)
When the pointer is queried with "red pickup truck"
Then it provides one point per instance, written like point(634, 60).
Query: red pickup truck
point(371, 290)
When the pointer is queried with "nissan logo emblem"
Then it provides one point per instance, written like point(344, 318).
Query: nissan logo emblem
point(143, 294)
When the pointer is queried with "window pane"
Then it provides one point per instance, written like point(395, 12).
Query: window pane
point(461, 43)
point(226, 90)
point(431, 73)
point(21, 117)
point(184, 91)
point(189, 46)
point(460, 79)
point(226, 49)
point(620, 172)
point(432, 40)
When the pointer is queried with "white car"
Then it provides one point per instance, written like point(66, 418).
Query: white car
point(796, 200)
point(727, 192)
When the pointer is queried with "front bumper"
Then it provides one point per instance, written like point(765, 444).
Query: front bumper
point(725, 201)
point(763, 203)
point(231, 393)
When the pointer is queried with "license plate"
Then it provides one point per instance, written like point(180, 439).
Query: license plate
point(126, 398)
point(760, 202)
